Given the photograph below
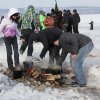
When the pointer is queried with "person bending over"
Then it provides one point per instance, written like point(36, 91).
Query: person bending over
point(79, 46)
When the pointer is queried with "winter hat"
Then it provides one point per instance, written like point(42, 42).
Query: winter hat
point(74, 10)
point(12, 11)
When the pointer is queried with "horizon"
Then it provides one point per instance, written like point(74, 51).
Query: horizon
point(47, 3)
point(60, 7)
point(80, 9)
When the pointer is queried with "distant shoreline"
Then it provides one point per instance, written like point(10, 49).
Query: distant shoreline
point(80, 9)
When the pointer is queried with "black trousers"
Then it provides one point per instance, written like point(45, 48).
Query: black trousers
point(67, 28)
point(26, 34)
point(75, 29)
point(12, 42)
point(54, 54)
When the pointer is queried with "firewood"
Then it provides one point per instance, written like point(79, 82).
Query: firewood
point(50, 77)
point(57, 76)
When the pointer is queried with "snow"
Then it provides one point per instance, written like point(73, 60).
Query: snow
point(11, 90)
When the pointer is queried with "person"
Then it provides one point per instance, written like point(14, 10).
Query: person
point(67, 21)
point(70, 22)
point(55, 17)
point(41, 19)
point(91, 25)
point(60, 19)
point(49, 21)
point(37, 24)
point(27, 28)
point(79, 46)
point(76, 20)
point(47, 37)
point(9, 27)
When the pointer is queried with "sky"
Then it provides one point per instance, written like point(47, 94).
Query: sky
point(47, 3)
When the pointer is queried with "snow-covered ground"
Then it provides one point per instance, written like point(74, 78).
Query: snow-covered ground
point(10, 90)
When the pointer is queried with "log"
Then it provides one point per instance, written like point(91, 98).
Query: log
point(53, 71)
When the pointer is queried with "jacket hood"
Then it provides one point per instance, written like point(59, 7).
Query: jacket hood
point(12, 11)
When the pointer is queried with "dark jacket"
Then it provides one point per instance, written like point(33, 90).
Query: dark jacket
point(66, 18)
point(76, 18)
point(60, 19)
point(71, 43)
point(57, 15)
point(47, 37)
point(54, 15)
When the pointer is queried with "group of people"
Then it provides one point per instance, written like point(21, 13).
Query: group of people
point(71, 21)
point(51, 35)
point(65, 20)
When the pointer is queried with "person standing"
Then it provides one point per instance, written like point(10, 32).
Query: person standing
point(55, 17)
point(91, 25)
point(27, 28)
point(67, 20)
point(9, 27)
point(79, 46)
point(76, 20)
point(41, 19)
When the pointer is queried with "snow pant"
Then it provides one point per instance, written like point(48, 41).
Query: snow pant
point(53, 55)
point(9, 42)
point(77, 63)
point(26, 34)
point(75, 28)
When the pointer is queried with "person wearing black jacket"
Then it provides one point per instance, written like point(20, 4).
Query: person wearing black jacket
point(47, 38)
point(76, 20)
point(79, 46)
point(54, 15)
point(67, 21)
point(91, 25)
point(57, 15)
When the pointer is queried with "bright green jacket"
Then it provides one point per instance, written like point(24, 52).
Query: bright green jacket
point(42, 18)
